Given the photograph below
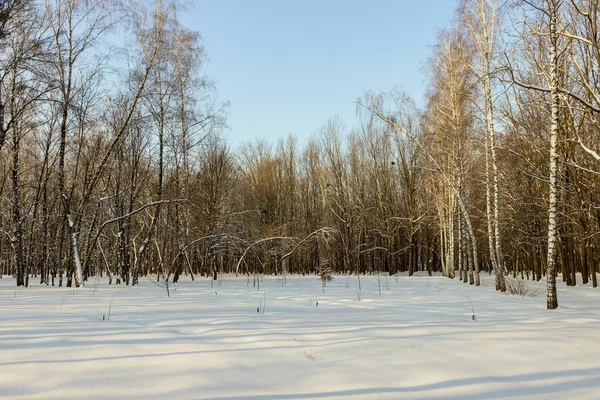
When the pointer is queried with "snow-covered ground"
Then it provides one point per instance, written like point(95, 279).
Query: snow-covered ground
point(415, 340)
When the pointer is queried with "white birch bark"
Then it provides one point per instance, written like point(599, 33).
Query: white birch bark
point(451, 207)
point(481, 18)
point(552, 300)
point(76, 258)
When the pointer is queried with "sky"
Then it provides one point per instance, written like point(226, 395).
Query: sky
point(288, 66)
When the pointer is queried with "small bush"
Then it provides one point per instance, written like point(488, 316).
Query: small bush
point(325, 275)
point(518, 287)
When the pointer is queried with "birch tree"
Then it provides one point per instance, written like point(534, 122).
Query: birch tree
point(553, 11)
point(481, 19)
point(395, 114)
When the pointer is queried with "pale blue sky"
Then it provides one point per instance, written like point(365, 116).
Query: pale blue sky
point(287, 66)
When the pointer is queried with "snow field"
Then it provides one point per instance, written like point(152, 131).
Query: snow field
point(415, 340)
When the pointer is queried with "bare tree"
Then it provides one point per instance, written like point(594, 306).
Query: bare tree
point(552, 300)
point(395, 118)
point(481, 19)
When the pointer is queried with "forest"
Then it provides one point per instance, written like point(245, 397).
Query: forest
point(114, 161)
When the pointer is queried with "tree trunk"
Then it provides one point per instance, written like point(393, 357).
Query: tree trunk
point(495, 243)
point(17, 238)
point(552, 300)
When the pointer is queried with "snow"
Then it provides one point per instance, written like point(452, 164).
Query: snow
point(415, 340)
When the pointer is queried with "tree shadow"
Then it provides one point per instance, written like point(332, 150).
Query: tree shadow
point(521, 386)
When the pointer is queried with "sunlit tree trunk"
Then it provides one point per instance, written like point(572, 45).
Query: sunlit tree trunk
point(552, 300)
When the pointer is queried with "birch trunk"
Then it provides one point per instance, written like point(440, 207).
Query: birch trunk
point(466, 264)
point(497, 239)
point(443, 239)
point(552, 300)
point(450, 230)
point(75, 244)
point(490, 156)
point(488, 203)
point(481, 18)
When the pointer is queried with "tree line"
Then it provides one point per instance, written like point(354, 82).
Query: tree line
point(114, 162)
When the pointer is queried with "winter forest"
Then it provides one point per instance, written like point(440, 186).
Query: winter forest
point(408, 227)
point(113, 160)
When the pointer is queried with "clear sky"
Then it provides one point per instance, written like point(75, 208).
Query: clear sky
point(287, 66)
